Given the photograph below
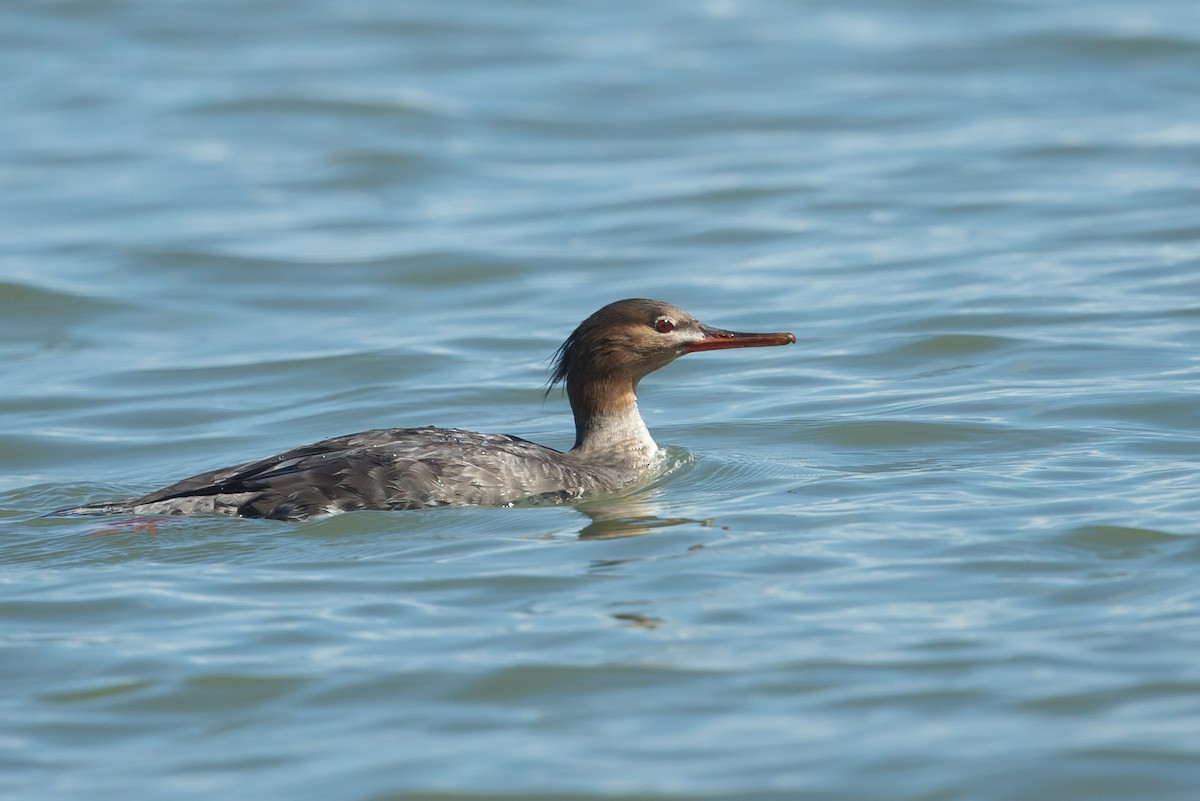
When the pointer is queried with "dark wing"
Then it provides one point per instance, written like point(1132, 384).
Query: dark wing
point(247, 477)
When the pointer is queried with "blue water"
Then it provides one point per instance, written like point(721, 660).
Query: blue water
point(945, 547)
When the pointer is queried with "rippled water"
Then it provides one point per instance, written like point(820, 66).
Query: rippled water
point(946, 547)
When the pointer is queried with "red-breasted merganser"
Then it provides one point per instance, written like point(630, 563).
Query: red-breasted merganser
point(411, 468)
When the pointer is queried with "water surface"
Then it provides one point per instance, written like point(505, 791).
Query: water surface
point(946, 547)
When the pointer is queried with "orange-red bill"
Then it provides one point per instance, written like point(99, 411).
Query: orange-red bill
point(720, 339)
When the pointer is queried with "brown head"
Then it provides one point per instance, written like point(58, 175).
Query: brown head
point(605, 357)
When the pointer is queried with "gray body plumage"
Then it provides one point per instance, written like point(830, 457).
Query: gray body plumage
point(397, 468)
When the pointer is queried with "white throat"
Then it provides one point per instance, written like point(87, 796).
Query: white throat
point(619, 436)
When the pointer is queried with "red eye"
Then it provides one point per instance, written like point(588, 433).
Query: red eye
point(664, 326)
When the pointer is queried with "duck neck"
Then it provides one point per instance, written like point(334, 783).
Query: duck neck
point(608, 426)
